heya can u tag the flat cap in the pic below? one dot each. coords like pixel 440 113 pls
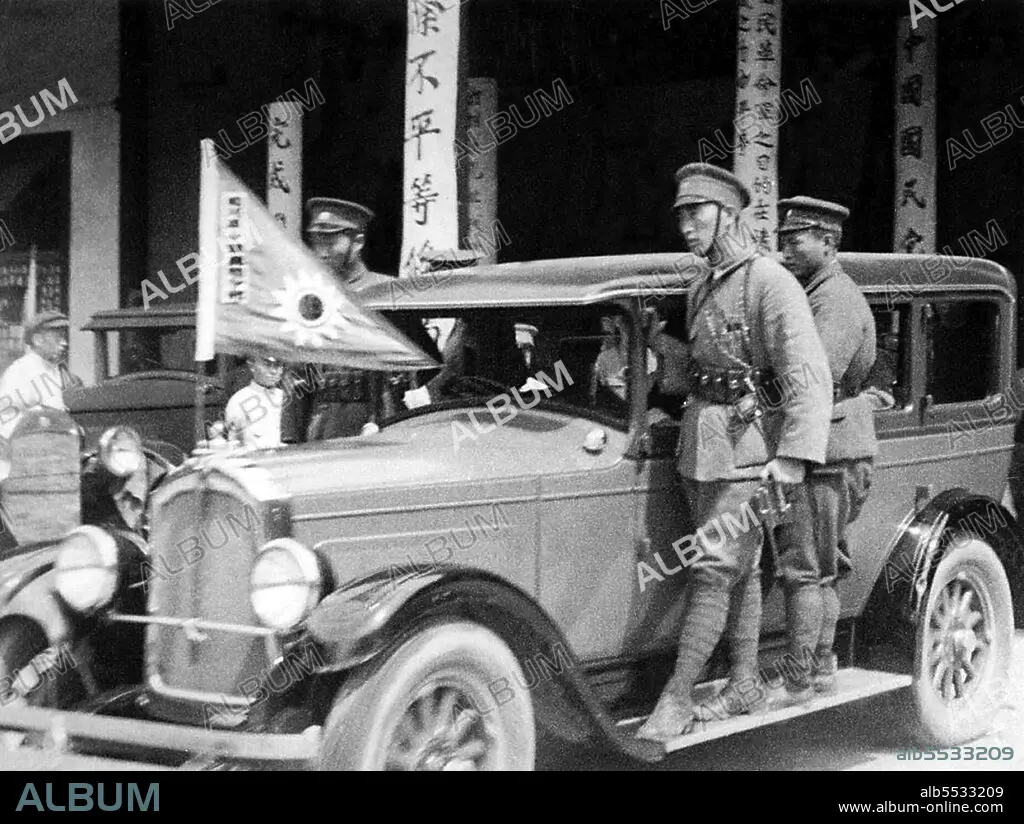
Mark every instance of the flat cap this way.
pixel 327 215
pixel 45 320
pixel 439 260
pixel 704 183
pixel 799 213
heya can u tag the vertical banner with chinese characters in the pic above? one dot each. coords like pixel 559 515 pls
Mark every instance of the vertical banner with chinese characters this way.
pixel 758 113
pixel 430 218
pixel 914 215
pixel 284 166
pixel 482 172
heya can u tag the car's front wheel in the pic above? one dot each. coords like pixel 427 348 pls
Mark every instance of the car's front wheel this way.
pixel 24 676
pixel 963 647
pixel 448 698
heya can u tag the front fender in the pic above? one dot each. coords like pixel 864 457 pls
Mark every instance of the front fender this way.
pixel 375 614
pixel 38 602
pixel 902 590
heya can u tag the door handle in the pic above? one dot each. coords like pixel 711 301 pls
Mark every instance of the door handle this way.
pixel 596 441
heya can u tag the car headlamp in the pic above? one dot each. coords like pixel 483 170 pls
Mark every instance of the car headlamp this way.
pixel 121 451
pixel 285 584
pixel 87 568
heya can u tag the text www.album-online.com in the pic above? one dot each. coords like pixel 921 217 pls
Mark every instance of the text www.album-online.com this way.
pixel 914 807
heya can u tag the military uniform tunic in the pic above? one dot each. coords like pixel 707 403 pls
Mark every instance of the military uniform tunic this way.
pixel 770 303
pixel 347 398
pixel 847 329
pixel 839 489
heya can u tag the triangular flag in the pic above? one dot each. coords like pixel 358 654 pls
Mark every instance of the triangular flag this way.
pixel 261 290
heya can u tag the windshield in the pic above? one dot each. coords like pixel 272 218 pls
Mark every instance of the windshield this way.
pixel 145 350
pixel 576 356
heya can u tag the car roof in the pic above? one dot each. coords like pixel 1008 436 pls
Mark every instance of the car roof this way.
pixel 587 280
pixel 163 316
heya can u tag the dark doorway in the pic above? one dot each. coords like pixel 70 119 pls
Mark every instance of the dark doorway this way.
pixel 35 219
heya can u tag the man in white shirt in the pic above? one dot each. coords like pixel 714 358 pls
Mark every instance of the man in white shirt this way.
pixel 253 414
pixel 40 376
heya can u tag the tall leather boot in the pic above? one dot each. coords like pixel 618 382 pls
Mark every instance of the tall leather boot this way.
pixel 803 620
pixel 702 628
pixel 744 692
pixel 826 666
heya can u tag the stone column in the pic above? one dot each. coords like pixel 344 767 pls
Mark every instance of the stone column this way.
pixel 284 166
pixel 759 112
pixel 914 213
pixel 430 214
pixel 482 169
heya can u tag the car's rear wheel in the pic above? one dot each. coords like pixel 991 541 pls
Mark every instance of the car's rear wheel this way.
pixel 963 646
pixel 448 698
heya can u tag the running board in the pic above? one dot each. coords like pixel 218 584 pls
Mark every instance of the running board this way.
pixel 853 685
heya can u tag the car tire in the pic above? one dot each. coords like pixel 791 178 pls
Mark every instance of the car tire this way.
pixel 963 646
pixel 446 698
pixel 19 644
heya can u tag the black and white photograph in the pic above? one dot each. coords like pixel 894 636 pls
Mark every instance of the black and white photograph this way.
pixel 511 385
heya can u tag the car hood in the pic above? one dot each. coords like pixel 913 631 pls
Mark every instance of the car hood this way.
pixel 438 449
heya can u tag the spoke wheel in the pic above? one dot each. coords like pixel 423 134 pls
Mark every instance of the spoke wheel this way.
pixel 963 645
pixel 441 730
pixel 446 699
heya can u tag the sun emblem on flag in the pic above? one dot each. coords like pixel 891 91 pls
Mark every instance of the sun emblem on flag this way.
pixel 309 307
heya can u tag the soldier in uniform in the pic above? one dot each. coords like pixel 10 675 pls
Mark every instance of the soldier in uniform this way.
pixel 748 321
pixel 348 399
pixel 810 233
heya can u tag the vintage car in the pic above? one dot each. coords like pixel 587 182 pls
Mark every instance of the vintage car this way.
pixel 53 490
pixel 154 391
pixel 471 588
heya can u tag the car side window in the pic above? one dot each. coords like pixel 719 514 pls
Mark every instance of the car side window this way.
pixel 962 350
pixel 572 356
pixel 891 372
pixel 592 346
pixel 144 350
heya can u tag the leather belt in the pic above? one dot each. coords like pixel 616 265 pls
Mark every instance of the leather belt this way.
pixel 723 385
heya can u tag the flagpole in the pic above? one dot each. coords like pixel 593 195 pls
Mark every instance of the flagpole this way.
pixel 28 310
pixel 206 301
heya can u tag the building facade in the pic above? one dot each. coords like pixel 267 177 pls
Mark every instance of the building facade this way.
pixel 596 103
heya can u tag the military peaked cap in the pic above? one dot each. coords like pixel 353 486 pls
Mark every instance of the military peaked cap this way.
pixel 45 320
pixel 799 213
pixel 704 183
pixel 326 215
pixel 439 260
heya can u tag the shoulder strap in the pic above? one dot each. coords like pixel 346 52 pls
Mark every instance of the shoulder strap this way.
pixel 748 347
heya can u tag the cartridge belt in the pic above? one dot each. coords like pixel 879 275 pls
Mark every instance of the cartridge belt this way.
pixel 726 386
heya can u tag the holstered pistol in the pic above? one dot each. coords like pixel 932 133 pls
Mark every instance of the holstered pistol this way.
pixel 771 505
pixel 747 408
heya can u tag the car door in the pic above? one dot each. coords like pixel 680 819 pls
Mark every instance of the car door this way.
pixel 586 511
